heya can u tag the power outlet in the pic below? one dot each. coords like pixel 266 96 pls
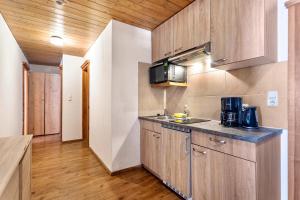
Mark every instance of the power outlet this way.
pixel 272 98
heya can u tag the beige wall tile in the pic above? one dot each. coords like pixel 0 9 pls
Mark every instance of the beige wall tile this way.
pixel 207 86
pixel 151 100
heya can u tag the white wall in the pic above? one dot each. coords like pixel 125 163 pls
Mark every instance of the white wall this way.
pixel 11 89
pixel 44 68
pixel 114 128
pixel 131 45
pixel 72 98
pixel 100 56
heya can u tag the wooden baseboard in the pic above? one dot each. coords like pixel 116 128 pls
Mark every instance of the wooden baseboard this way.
pixel 125 170
pixel 71 141
pixel 115 172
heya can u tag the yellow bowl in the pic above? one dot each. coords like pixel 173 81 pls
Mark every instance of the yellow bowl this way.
pixel 179 115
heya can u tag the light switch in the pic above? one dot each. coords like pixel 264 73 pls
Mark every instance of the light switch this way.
pixel 272 98
pixel 70 98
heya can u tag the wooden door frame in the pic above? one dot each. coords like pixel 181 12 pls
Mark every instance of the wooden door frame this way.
pixel 60 67
pixel 26 69
pixel 86 69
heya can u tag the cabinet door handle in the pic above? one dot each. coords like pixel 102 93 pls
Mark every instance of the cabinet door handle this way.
pixel 166 54
pixel 179 49
pixel 187 144
pixel 201 152
pixel 217 141
pixel 156 136
pixel 220 60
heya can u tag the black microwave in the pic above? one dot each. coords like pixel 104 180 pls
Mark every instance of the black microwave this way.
pixel 164 72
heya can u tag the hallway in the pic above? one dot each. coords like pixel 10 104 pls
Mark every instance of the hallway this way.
pixel 71 171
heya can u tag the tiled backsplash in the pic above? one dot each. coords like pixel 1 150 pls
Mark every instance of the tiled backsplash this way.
pixel 207 86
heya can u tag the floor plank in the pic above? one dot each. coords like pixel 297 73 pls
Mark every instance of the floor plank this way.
pixel 71 171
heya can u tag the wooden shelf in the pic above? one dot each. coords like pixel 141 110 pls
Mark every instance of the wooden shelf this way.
pixel 169 84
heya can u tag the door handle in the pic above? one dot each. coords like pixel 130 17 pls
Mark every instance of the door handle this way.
pixel 201 152
pixel 187 144
pixel 217 141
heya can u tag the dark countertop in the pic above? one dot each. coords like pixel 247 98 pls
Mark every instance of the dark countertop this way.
pixel 215 128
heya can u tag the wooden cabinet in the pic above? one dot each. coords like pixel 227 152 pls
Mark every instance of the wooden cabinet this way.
pixel 25 175
pixel 156 45
pixel 187 29
pixel 19 185
pixel 201 9
pixel 175 150
pixel 162 41
pixel 36 106
pixel 151 149
pixel 52 103
pixel 219 176
pixel 243 33
pixel 227 169
pixel 183 29
pixel 44 103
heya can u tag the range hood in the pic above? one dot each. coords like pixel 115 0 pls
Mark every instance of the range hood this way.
pixel 192 56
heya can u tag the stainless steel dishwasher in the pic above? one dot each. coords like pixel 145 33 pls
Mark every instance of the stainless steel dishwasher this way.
pixel 176 159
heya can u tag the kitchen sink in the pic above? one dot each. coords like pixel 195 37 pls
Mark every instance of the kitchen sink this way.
pixel 189 121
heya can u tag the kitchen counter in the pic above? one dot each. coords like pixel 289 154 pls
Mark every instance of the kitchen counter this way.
pixel 215 128
pixel 12 150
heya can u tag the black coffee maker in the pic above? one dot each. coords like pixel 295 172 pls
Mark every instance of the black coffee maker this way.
pixel 231 111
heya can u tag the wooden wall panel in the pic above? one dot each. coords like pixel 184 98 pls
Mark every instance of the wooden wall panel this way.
pixel 52 103
pixel 294 99
pixel 36 103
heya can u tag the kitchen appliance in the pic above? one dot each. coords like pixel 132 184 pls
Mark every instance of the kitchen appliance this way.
pixel 249 117
pixel 188 120
pixel 192 56
pixel 179 163
pixel 231 111
pixel 165 71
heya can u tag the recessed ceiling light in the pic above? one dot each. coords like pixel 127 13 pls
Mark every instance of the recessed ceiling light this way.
pixel 56 40
pixel 60 2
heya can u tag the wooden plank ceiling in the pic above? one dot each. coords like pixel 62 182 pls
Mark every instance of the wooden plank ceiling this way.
pixel 78 22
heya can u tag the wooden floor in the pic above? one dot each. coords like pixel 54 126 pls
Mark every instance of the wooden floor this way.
pixel 72 172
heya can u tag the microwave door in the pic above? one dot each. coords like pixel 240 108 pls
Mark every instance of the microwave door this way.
pixel 178 74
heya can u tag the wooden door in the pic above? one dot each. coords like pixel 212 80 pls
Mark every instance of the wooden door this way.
pixel 166 39
pixel 36 124
pixel 240 179
pixel 146 138
pixel 155 143
pixel 201 9
pixel 156 47
pixel 219 176
pixel 167 155
pixel 181 153
pixel 184 29
pixel 26 174
pixel 52 103
pixel 207 174
pixel 237 30
pixel 25 97
pixel 85 100
pixel 175 159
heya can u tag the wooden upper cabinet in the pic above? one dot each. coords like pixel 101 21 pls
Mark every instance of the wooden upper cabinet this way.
pixel 166 39
pixel 243 33
pixel 183 29
pixel 156 48
pixel 162 41
pixel 201 10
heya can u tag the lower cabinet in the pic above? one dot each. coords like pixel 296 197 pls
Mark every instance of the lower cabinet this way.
pixel 150 151
pixel 219 176
pixel 175 150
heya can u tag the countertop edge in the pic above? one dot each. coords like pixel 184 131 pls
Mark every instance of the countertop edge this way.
pixel 10 172
pixel 276 131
